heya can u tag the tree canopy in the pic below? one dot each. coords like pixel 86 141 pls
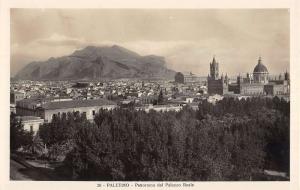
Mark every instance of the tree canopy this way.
pixel 232 140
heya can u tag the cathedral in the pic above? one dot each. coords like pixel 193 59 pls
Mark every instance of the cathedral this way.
pixel 216 84
pixel 257 83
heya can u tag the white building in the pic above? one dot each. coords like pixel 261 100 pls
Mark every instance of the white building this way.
pixel 31 123
pixel 215 98
pixel 158 108
pixel 47 110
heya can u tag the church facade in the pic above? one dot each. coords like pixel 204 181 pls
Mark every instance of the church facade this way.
pixel 257 83
pixel 216 84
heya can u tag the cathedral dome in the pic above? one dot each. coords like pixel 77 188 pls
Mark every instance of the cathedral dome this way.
pixel 260 68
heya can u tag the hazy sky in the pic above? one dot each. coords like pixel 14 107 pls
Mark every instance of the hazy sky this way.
pixel 188 39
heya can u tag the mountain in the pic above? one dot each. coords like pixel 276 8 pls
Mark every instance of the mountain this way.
pixel 92 63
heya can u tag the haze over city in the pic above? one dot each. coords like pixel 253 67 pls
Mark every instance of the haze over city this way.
pixel 187 39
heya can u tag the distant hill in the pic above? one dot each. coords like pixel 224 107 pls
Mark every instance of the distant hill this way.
pixel 92 63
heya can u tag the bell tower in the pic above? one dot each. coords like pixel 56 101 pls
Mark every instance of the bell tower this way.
pixel 214 69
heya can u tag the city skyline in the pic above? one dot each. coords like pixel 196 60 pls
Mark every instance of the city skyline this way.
pixel 188 39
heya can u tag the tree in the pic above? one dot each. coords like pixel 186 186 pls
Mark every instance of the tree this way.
pixel 231 140
pixel 18 136
pixel 37 145
pixel 160 98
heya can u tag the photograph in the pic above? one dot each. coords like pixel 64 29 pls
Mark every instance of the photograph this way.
pixel 141 95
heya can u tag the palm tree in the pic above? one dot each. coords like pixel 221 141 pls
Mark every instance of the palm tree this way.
pixel 37 146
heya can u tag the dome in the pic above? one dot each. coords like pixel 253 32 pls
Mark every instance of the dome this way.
pixel 260 68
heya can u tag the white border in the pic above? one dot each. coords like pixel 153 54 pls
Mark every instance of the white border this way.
pixel 5 6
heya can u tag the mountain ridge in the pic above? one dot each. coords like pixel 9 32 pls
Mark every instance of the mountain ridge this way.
pixel 97 62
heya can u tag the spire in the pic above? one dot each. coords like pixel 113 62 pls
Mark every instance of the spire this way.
pixel 259 60
pixel 286 75
pixel 214 59
pixel 214 69
pixel 226 79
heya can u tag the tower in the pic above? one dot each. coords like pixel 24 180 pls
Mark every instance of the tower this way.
pixel 286 76
pixel 238 79
pixel 214 69
pixel 226 79
pixel 216 84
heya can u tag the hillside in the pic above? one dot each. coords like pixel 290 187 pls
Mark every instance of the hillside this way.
pixel 92 63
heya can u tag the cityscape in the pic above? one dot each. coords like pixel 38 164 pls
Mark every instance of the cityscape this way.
pixel 110 113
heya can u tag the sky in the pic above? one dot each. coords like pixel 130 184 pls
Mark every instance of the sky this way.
pixel 187 38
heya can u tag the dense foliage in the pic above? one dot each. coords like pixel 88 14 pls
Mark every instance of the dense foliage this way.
pixel 58 135
pixel 18 136
pixel 232 140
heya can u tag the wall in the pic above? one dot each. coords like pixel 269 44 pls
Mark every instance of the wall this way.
pixel 25 111
pixel 280 89
pixel 191 78
pixel 216 86
pixel 252 89
pixel 35 124
pixel 48 114
pixel 14 97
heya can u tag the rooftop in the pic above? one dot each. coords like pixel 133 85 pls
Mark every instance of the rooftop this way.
pixel 260 68
pixel 77 104
pixel 28 118
pixel 16 92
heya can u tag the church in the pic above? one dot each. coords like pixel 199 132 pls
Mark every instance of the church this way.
pixel 257 83
pixel 216 84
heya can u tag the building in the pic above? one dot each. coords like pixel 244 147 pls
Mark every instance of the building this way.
pixel 179 78
pixel 16 96
pixel 215 98
pixel 278 87
pixel 259 83
pixel 160 108
pixel 31 123
pixel 187 78
pixel 48 109
pixel 151 99
pixel 260 73
pixel 216 84
pixel 12 108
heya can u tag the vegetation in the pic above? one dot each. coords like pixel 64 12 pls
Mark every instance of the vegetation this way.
pixel 160 98
pixel 232 140
pixel 18 136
